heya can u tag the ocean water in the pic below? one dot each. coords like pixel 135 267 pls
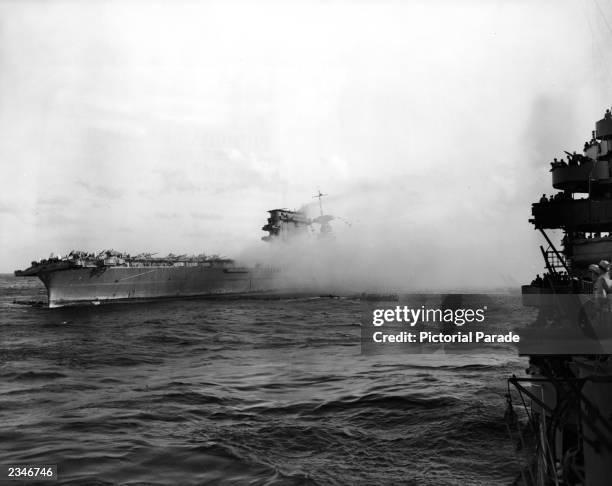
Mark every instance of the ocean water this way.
pixel 257 392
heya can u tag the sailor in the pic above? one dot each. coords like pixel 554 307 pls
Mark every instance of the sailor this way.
pixel 594 273
pixel 603 285
pixel 543 199
pixel 608 285
pixel 608 115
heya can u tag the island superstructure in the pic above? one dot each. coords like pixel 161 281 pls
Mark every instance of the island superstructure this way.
pixel 83 277
pixel 570 383
pixel 284 224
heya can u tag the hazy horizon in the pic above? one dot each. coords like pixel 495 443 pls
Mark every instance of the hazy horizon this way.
pixel 174 127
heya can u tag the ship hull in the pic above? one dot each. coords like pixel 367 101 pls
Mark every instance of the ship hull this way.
pixel 107 284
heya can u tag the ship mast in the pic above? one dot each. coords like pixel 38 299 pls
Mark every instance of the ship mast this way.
pixel 324 219
pixel 319 196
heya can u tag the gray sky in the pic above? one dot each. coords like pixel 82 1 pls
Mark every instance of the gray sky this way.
pixel 174 126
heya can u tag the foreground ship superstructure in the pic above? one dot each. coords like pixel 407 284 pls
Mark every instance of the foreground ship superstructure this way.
pixel 81 277
pixel 570 387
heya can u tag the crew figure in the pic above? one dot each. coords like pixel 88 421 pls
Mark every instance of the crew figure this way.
pixel 603 285
pixel 594 273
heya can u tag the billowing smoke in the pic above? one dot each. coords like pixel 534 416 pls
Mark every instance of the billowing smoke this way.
pixel 377 247
pixel 172 128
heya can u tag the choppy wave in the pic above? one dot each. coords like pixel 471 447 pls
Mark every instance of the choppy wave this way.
pixel 241 392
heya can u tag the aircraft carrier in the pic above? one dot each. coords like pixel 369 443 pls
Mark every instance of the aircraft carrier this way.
pixel 108 276
pixel 567 395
